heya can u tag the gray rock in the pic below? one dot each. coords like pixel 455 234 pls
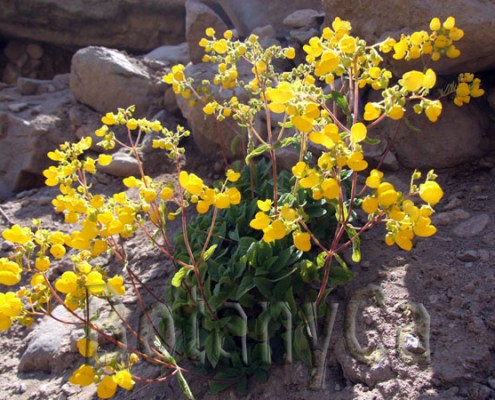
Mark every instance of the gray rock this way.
pixel 473 226
pixel 123 24
pixel 49 349
pixel 199 17
pixel 303 35
pixel 17 107
pixel 172 55
pixel 375 21
pixel 122 165
pixel 456 138
pixel 306 18
pixel 107 79
pixel 210 136
pixel 468 255
pixel 450 217
pixel 32 137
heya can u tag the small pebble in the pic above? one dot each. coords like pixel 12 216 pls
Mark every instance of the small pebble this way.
pixel 468 255
pixel 17 107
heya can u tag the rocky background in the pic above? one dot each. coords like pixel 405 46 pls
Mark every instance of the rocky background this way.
pixel 65 63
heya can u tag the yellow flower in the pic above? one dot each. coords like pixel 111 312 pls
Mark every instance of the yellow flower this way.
pixel 331 188
pixel 423 227
pixel 116 285
pixel 167 193
pixel 371 111
pixel 358 132
pixel 10 305
pixel 106 388
pixel 210 32
pixel 191 182
pixel 312 179
pixel 104 159
pixel 430 192
pixel 396 112
pixel 435 24
pixel 222 201
pixel 434 110
pixel 124 379
pixel 348 45
pixel 453 52
pixel 370 205
pixel 234 196
pixel 290 52
pixel 148 194
pixel 299 169
pixel 303 123
pixel 42 263
pixel 87 347
pixel 57 250
pixel 260 221
pixel 202 207
pixel 413 80
pixel 220 46
pixel 67 282
pixel 288 213
pixel 449 23
pixel 356 161
pixel 404 239
pixel 329 62
pixel 10 272
pixel 387 194
pixel 275 231
pixel 109 119
pixel 375 178
pixel 95 282
pixel 83 376
pixel 302 241
pixel 264 205
pixel 233 176
pixel 430 79
pixel 16 234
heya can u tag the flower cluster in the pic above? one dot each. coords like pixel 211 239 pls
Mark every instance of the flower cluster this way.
pixel 437 43
pixel 206 197
pixel 108 378
pixel 276 226
pixel 468 87
pixel 404 219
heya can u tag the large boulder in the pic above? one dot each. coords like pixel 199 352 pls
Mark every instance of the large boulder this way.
pixel 457 137
pixel 133 25
pixel 30 127
pixel 375 20
pixel 199 17
pixel 106 79
pixel 211 137
pixel 247 15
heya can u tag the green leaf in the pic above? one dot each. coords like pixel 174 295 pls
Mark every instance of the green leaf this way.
pixel 209 252
pixel 341 101
pixel 356 249
pixel 257 152
pixel 372 141
pixel 264 286
pixel 180 378
pixel 286 142
pixel 315 211
pixel 213 346
pixel 224 380
pixel 411 126
pixel 179 276
pixel 302 350
pixel 245 286
pixel 237 326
